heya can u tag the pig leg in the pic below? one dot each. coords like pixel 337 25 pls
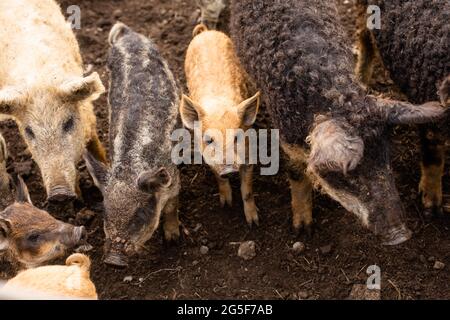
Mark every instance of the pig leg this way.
pixel 301 194
pixel 171 224
pixel 95 147
pixel 225 191
pixel 432 167
pixel 250 209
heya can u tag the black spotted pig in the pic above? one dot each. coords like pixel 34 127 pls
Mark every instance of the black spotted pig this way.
pixel 32 236
pixel 142 183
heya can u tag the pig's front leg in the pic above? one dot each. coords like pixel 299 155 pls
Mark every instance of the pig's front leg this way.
pixel 96 148
pixel 250 209
pixel 225 191
pixel 171 224
pixel 301 193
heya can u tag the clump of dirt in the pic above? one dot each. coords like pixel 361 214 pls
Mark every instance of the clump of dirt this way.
pixel 333 260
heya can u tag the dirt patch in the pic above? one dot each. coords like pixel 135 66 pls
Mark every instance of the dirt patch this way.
pixel 335 258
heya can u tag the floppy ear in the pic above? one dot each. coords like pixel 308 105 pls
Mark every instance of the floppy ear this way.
pixel 400 112
pixel 5 230
pixel 87 88
pixel 98 171
pixel 248 109
pixel 12 101
pixel 22 193
pixel 151 181
pixel 334 149
pixel 190 111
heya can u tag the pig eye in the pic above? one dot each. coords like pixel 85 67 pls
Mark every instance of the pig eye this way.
pixel 33 238
pixel 29 133
pixel 68 125
pixel 208 140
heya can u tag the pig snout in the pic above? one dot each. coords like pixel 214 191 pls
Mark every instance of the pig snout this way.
pixel 228 171
pixel 396 235
pixel 61 194
pixel 116 257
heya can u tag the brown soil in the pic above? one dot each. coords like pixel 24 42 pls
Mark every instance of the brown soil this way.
pixel 181 271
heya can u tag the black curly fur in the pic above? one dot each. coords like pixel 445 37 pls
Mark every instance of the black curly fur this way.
pixel 414 42
pixel 303 57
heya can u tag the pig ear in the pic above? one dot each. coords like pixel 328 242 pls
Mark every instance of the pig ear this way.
pixel 248 109
pixel 151 181
pixel 333 148
pixel 190 111
pixel 87 88
pixel 12 101
pixel 22 193
pixel 98 171
pixel 5 230
pixel 400 112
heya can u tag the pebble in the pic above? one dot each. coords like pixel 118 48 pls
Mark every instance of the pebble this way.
pixel 204 250
pixel 247 250
pixel 128 279
pixel 302 295
pixel 298 247
pixel 438 265
pixel 326 249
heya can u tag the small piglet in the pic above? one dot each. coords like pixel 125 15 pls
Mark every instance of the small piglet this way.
pixel 71 281
pixel 32 236
pixel 142 183
pixel 220 103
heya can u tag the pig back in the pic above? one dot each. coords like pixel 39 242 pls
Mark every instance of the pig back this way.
pixel 299 55
pixel 143 99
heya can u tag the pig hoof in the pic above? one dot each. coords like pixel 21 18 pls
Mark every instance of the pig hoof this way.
pixel 396 236
pixel 226 200
pixel 429 213
pixel 116 260
pixel 306 229
pixel 251 215
pixel 172 235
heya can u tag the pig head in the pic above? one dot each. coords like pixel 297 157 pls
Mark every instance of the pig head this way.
pixel 56 123
pixel 33 236
pixel 349 160
pixel 133 206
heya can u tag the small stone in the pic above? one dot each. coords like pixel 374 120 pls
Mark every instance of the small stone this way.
pixel 422 258
pixel 247 250
pixel 198 226
pixel 204 250
pixel 128 279
pixel 361 292
pixel 194 263
pixel 431 259
pixel 326 249
pixel 302 295
pixel 117 13
pixel 438 265
pixel 298 247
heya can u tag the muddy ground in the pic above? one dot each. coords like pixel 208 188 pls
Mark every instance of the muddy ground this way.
pixel 337 255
